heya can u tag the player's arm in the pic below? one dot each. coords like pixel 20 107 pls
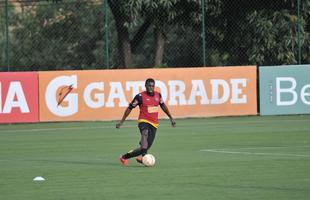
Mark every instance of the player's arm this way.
pixel 136 101
pixel 125 115
pixel 166 110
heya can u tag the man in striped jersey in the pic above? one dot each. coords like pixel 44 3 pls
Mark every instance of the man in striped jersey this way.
pixel 148 102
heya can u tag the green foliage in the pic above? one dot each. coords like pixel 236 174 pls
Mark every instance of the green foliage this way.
pixel 70 34
pixel 187 52
pixel 2 38
pixel 58 37
pixel 271 37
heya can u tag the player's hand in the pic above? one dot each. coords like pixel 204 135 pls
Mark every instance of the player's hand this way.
pixel 173 124
pixel 118 125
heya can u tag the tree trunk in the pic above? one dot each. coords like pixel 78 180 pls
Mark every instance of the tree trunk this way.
pixel 140 34
pixel 124 48
pixel 159 46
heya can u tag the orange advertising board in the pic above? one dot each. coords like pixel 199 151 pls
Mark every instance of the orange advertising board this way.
pixel 188 92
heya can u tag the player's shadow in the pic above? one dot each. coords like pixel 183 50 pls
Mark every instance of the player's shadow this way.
pixel 78 162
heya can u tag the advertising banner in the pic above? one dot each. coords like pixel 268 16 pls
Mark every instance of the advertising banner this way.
pixel 284 89
pixel 188 92
pixel 19 97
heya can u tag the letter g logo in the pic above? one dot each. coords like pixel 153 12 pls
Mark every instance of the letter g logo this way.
pixel 53 98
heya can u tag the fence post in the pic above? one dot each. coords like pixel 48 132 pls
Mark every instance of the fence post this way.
pixel 106 33
pixel 298 31
pixel 7 35
pixel 203 32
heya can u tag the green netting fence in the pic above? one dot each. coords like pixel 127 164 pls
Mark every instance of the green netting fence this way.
pixel 112 34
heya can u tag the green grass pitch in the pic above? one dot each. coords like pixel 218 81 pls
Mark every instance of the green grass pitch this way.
pixel 213 158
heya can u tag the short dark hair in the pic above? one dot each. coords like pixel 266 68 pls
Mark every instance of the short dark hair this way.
pixel 149 80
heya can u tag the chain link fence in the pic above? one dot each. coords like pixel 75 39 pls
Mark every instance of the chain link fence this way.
pixel 110 34
pixel 3 37
pixel 52 36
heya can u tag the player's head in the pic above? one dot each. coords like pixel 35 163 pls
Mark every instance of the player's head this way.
pixel 150 85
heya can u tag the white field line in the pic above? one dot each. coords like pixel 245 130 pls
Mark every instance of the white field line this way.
pixel 131 126
pixel 267 147
pixel 60 128
pixel 239 122
pixel 257 153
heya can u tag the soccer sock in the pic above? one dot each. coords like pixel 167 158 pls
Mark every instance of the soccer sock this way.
pixel 144 152
pixel 135 153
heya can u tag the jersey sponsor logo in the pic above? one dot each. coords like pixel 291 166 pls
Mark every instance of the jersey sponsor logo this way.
pixel 152 109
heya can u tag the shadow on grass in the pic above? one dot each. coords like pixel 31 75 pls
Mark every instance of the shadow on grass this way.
pixel 74 162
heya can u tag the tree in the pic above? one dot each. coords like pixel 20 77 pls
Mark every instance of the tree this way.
pixel 161 15
pixel 269 33
pixel 148 33
pixel 57 36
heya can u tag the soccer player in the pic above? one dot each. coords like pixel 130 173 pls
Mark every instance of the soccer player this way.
pixel 148 102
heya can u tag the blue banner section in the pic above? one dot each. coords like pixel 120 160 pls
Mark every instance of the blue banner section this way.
pixel 284 89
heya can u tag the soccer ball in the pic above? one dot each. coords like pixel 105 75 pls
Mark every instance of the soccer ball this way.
pixel 148 160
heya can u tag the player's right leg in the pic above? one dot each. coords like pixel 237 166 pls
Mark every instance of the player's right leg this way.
pixel 123 161
pixel 148 133
pixel 146 138
pixel 133 153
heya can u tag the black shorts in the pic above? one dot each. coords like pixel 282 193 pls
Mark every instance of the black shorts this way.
pixel 148 133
